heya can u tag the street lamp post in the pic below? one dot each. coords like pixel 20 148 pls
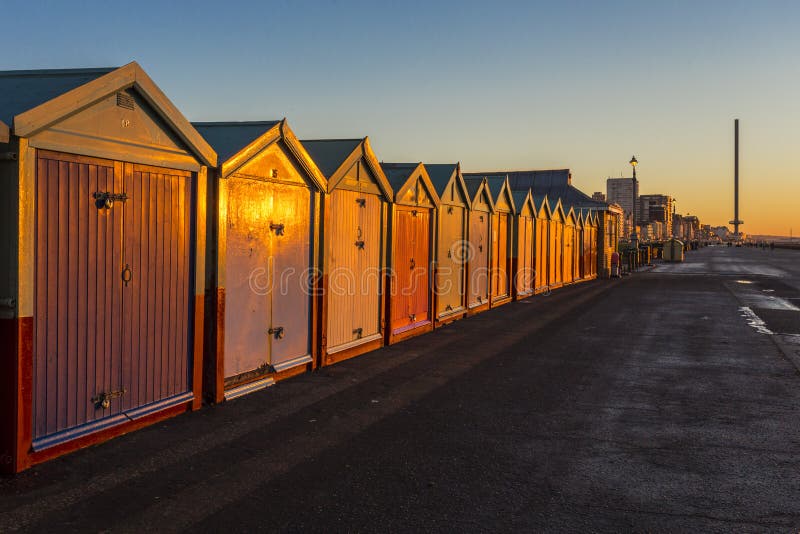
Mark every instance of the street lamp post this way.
pixel 634 241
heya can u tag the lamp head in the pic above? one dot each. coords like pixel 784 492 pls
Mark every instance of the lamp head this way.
pixel 633 161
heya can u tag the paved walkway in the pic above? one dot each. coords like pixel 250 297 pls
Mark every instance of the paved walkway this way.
pixel 647 404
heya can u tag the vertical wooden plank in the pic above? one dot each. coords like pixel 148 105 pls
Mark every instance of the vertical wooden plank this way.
pixel 423 262
pixel 82 331
pixel 59 351
pixel 174 253
pixel 128 292
pixel 107 291
pixel 93 267
pixel 143 364
pixel 161 299
pixel 152 289
pixel 185 348
pixel 72 260
pixel 41 291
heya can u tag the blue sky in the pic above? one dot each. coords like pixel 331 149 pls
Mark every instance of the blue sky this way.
pixel 495 85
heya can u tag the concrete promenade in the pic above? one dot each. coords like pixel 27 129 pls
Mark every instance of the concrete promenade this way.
pixel 666 401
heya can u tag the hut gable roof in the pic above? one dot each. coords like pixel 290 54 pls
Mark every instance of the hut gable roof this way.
pixel 555 183
pixel 22 90
pixel 443 174
pixel 523 200
pixel 335 157
pixel 403 177
pixel 497 184
pixel 330 154
pixel 570 216
pixel 540 203
pixel 478 189
pixel 238 142
pixel 230 138
pixel 557 211
pixel 36 100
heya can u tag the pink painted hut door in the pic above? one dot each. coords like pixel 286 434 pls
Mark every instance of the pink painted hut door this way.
pixel 112 294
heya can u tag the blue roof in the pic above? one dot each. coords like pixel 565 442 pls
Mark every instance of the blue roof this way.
pixel 473 185
pixel 556 185
pixel 23 90
pixel 519 197
pixel 329 154
pixel 440 174
pixel 496 183
pixel 229 138
pixel 398 173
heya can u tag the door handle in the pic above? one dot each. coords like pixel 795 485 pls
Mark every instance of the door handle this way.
pixel 127 274
pixel 413 264
pixel 358 332
pixel 360 245
pixel 105 199
pixel 277 228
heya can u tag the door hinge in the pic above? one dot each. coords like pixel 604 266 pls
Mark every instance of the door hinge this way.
pixel 277 332
pixel 103 400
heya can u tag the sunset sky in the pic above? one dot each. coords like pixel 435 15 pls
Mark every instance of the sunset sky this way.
pixel 501 85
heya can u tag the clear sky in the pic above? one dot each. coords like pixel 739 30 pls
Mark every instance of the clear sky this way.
pixel 495 85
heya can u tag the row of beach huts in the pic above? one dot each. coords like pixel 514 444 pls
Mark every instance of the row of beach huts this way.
pixel 148 263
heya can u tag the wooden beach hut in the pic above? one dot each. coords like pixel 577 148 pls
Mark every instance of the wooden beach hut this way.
pixel 264 211
pixel 542 254
pixel 570 246
pixel 412 236
pixel 523 257
pixel 354 224
pixel 479 244
pixel 502 229
pixel 452 214
pixel 556 245
pixel 103 231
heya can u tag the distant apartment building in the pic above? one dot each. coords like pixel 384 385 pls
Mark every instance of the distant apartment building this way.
pixel 598 196
pixel 621 191
pixel 686 227
pixel 656 208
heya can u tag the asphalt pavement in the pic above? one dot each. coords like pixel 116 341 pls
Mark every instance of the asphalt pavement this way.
pixel 665 401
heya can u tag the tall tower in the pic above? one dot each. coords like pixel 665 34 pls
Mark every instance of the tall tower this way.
pixel 736 222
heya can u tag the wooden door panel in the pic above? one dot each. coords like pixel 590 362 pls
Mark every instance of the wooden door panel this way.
pixel 450 257
pixel 76 295
pixel 420 273
pixel 404 249
pixel 370 272
pixel 157 254
pixel 499 255
pixel 291 302
pixel 248 276
pixel 479 258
